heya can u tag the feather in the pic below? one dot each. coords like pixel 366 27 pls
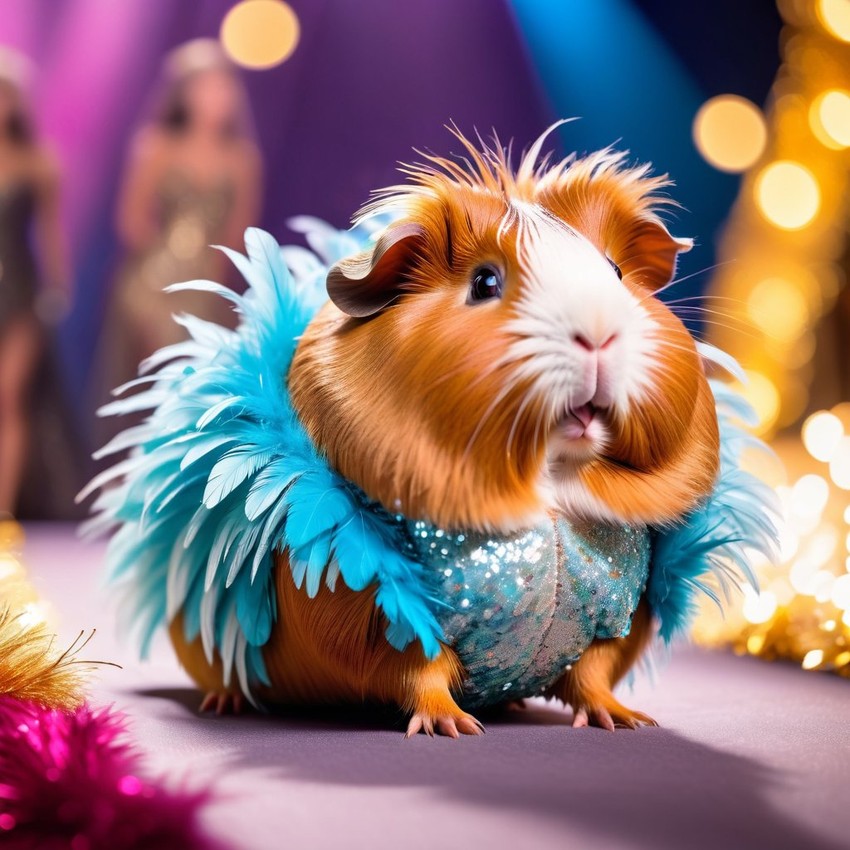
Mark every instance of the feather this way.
pixel 74 779
pixel 712 544
pixel 267 487
pixel 231 470
pixel 715 355
pixel 206 445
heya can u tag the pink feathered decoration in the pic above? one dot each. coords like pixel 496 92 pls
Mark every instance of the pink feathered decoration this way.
pixel 70 780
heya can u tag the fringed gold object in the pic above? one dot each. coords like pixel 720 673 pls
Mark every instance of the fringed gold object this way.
pixel 31 666
pixel 803 631
pixel 802 612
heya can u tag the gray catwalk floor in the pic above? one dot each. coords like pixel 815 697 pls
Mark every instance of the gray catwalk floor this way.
pixel 749 755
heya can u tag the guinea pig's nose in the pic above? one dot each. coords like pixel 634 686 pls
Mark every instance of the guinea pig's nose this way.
pixel 589 344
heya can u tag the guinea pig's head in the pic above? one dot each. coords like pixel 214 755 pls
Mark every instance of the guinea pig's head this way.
pixel 500 352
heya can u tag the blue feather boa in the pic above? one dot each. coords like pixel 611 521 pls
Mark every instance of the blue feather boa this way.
pixel 221 475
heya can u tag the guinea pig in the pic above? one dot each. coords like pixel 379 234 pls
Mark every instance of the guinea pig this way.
pixel 494 373
pixel 497 356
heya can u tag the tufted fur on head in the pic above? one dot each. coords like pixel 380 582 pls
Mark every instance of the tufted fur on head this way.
pixel 572 388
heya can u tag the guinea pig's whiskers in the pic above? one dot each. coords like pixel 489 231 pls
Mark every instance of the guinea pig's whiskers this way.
pixel 543 417
pixel 677 280
pixel 705 297
pixel 708 311
pixel 698 272
pixel 482 375
pixel 672 346
pixel 491 408
pixel 739 328
pixel 512 434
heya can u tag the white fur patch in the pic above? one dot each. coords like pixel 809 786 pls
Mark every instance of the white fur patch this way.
pixel 582 338
pixel 565 492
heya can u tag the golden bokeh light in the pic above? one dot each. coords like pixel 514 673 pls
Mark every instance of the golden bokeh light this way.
pixel 812 659
pixel 809 496
pixel 763 396
pixel 758 607
pixel 829 117
pixel 822 433
pixel 841 592
pixel 787 194
pixel 778 308
pixel 842 411
pixel 9 566
pixel 729 132
pixel 835 16
pixel 839 464
pixel 259 34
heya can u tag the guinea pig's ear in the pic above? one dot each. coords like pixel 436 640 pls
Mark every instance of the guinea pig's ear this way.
pixel 364 284
pixel 653 251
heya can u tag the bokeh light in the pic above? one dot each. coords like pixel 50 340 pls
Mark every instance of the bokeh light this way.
pixel 842 411
pixel 787 194
pixel 841 592
pixel 778 308
pixel 259 34
pixel 835 16
pixel 822 433
pixel 812 659
pixel 9 565
pixel 839 464
pixel 809 495
pixel 758 607
pixel 729 132
pixel 829 117
pixel 763 396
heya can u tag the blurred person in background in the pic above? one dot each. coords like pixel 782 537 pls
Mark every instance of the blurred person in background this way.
pixel 35 430
pixel 192 180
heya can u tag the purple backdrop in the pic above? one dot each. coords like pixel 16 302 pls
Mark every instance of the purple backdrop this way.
pixel 367 83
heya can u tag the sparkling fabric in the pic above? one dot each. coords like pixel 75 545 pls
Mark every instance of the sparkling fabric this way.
pixel 519 610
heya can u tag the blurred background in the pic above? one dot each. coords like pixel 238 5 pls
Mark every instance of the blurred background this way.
pixel 137 133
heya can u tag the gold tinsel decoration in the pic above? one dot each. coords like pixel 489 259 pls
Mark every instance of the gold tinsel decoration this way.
pixel 32 667
pixel 781 265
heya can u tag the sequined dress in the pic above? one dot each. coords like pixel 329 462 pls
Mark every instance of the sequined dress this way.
pixel 18 275
pixel 519 609
pixel 140 318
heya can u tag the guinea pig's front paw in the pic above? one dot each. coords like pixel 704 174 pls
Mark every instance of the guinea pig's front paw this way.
pixel 608 713
pixel 222 702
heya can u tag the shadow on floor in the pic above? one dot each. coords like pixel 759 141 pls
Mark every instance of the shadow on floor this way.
pixel 651 787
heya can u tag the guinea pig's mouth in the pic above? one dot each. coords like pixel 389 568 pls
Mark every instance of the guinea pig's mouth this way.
pixel 584 422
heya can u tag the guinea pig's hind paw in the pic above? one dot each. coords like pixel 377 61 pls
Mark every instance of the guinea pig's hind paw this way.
pixel 611 717
pixel 445 724
pixel 222 703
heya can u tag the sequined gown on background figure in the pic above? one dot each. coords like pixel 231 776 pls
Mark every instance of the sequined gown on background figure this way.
pixel 140 320
pixel 55 469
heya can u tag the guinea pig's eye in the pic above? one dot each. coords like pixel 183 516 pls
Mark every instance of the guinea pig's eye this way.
pixel 486 283
pixel 616 268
